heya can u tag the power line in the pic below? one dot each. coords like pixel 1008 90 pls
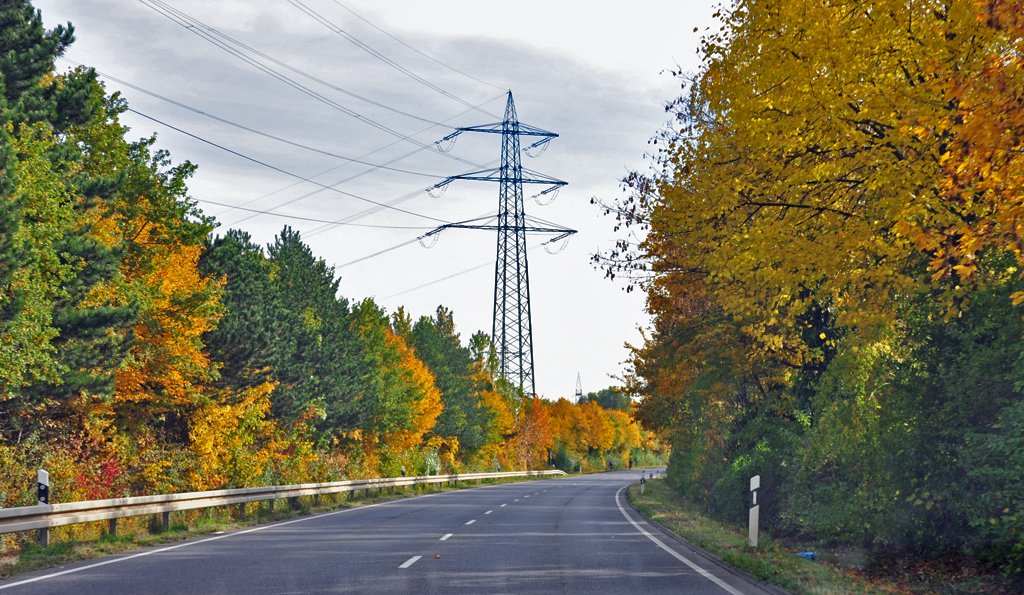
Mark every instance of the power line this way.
pixel 221 204
pixel 285 172
pixel 425 55
pixel 222 41
pixel 453 275
pixel 370 211
pixel 359 44
pixel 436 281
pixel 385 250
pixel 378 253
pixel 252 130
pixel 321 189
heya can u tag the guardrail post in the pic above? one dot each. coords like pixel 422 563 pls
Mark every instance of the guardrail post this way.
pixel 316 499
pixel 43 487
pixel 270 506
pixel 241 510
pixel 755 483
pixel 167 520
pixel 112 527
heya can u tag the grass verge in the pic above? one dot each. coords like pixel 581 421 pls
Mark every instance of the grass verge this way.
pixel 776 563
pixel 33 557
pixel 770 562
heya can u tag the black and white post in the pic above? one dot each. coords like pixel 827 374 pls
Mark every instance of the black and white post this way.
pixel 755 483
pixel 43 487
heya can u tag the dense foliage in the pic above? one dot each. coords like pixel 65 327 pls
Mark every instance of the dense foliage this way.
pixel 830 241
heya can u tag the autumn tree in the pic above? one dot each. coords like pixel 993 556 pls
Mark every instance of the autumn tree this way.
pixel 286 323
pixel 832 213
pixel 465 415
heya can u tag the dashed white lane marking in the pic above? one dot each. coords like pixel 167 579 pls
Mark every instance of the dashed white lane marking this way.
pixel 216 537
pixel 446 537
pixel 471 522
pixel 504 505
pixel 489 512
pixel 516 500
pixel 526 496
pixel 674 553
pixel 410 561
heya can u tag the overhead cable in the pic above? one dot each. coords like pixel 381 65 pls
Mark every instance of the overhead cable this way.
pixel 460 273
pixel 283 216
pixel 285 172
pixel 367 212
pixel 397 246
pixel 362 214
pixel 190 22
pixel 425 55
pixel 366 48
pixel 252 130
pixel 224 42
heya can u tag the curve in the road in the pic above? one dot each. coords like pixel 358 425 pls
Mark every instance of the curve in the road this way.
pixel 568 535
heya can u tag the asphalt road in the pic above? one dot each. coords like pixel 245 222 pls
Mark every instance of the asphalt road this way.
pixel 574 535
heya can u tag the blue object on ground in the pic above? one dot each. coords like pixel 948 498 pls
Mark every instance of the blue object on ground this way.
pixel 808 555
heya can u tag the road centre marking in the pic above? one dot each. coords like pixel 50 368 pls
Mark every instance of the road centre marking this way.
pixel 446 537
pixel 674 553
pixel 489 512
pixel 215 538
pixel 503 505
pixel 471 522
pixel 200 541
pixel 410 561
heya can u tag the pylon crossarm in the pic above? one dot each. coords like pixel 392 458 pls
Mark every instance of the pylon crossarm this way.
pixel 514 228
pixel 561 237
pixel 497 128
pixel 494 175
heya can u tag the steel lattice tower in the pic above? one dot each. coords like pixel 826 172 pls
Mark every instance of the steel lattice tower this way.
pixel 512 327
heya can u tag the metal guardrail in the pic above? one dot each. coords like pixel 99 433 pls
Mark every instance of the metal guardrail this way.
pixel 47 516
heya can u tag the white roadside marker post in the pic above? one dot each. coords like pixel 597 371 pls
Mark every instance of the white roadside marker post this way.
pixel 755 483
pixel 641 485
pixel 43 486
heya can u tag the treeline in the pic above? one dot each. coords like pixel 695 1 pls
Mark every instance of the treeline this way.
pixel 141 353
pixel 832 240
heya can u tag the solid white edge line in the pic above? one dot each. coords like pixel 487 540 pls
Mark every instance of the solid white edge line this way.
pixel 188 543
pixel 226 535
pixel 445 538
pixel 674 553
pixel 410 561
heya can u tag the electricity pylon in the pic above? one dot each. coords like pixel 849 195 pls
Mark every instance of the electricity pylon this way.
pixel 579 388
pixel 512 328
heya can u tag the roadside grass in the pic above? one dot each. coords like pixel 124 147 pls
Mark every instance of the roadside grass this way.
pixel 768 562
pixel 148 531
pixel 777 563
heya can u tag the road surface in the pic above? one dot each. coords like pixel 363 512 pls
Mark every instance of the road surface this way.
pixel 571 535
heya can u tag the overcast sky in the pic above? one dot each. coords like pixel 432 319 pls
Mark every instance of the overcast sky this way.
pixel 596 76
